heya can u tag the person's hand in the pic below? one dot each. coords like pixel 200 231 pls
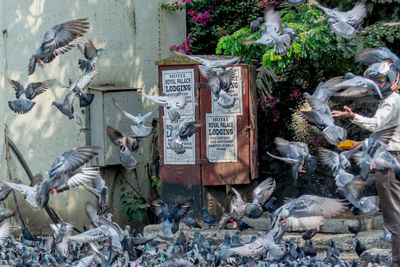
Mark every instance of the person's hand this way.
pixel 347 113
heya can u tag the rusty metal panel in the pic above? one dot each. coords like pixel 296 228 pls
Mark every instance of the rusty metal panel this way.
pixel 229 172
pixel 180 182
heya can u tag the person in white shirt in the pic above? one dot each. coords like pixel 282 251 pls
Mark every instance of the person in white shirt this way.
pixel 386 116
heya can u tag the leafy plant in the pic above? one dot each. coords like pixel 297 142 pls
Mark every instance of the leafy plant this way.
pixel 133 205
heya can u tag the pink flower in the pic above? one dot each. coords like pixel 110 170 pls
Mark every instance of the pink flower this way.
pixel 187 1
pixel 211 7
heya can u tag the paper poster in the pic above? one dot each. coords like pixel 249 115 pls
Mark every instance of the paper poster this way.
pixel 221 138
pixel 181 81
pixel 170 156
pixel 235 90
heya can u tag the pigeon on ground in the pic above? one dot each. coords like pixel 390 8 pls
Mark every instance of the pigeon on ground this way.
pixel 67 108
pixel 126 145
pixel 294 153
pixel 219 83
pixel 242 226
pixel 310 233
pixel 178 212
pixel 138 127
pixel 85 99
pixel 100 190
pixel 58 40
pixel 357 86
pixel 190 221
pixel 91 54
pixel 208 219
pixel 273 33
pixel 360 248
pixel 387 234
pixel 239 208
pixel 216 65
pixel 355 229
pixel 344 23
pixel 24 102
pixel 171 103
pixel 376 55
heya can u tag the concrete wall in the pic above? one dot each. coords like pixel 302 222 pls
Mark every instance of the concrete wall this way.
pixel 134 34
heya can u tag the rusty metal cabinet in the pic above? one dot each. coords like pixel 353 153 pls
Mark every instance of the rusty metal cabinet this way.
pixel 224 151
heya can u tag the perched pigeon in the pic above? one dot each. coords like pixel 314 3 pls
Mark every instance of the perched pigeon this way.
pixel 172 103
pixel 357 86
pixel 294 153
pixel 342 23
pixel 273 34
pixel 85 99
pixel 24 102
pixel 360 248
pixel 178 212
pixel 91 54
pixel 100 190
pixel 376 55
pixel 255 25
pixel 138 128
pixel 190 221
pixel 208 219
pixel 126 145
pixel 67 108
pixel 58 40
pixel 219 83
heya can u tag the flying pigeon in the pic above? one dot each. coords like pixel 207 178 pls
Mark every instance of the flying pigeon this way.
pixel 342 23
pixel 67 108
pixel 28 192
pixel 58 40
pixel 126 145
pixel 219 83
pixel 293 153
pixel 24 102
pixel 376 55
pixel 216 65
pixel 85 99
pixel 177 212
pixel 172 103
pixel 357 86
pixel 273 34
pixel 91 54
pixel 100 190
pixel 138 128
pixel 182 131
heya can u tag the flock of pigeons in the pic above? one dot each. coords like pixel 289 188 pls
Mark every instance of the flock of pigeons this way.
pixel 107 244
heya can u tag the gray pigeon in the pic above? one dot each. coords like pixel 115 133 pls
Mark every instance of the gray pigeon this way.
pixel 85 99
pixel 273 34
pixel 182 131
pixel 357 86
pixel 6 213
pixel 67 108
pixel 294 153
pixel 255 25
pixel 344 23
pixel 138 129
pixel 126 145
pixel 387 234
pixel 28 192
pixel 91 54
pixel 100 190
pixel 172 103
pixel 376 55
pixel 219 83
pixel 293 34
pixel 178 212
pixel 295 2
pixel 24 102
pixel 216 65
pixel 325 90
pixel 58 40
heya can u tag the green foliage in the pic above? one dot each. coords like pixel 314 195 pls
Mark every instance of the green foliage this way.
pixel 133 205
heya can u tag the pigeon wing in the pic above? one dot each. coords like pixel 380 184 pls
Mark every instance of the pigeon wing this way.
pixel 264 191
pixel 35 89
pixel 128 115
pixel 17 86
pixel 357 14
pixel 272 21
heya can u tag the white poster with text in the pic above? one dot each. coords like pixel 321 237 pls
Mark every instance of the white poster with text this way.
pixel 170 156
pixel 235 91
pixel 177 82
pixel 221 138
